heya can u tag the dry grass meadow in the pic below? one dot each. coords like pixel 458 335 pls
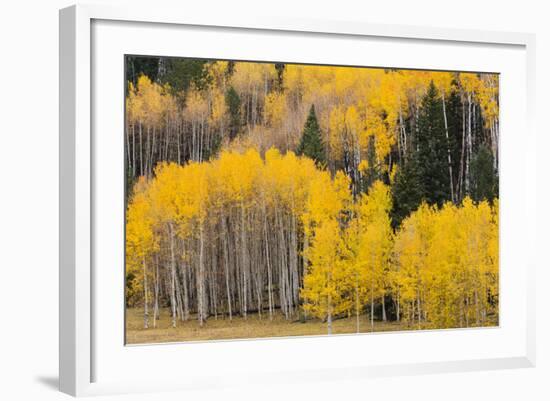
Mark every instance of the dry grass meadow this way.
pixel 239 328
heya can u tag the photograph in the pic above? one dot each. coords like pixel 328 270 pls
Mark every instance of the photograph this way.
pixel 276 199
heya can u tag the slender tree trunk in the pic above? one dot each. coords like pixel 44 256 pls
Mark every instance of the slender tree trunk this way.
pixel 268 263
pixel 156 308
pixel 226 265
pixel 397 310
pixel 146 297
pixel 357 304
pixel 372 305
pixel 468 145
pixel 329 315
pixel 244 261
pixel 185 292
pixel 141 148
pixel 449 160
pixel 172 275
pixel 200 277
pixel 384 318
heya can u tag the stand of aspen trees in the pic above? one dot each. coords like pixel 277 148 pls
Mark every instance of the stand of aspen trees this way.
pixel 225 220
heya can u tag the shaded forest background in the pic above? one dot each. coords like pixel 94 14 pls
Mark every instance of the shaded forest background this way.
pixel 311 191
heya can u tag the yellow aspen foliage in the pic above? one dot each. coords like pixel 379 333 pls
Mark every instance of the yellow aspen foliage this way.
pixel 275 109
pixel 412 244
pixel 196 106
pixel 325 280
pixel 325 277
pixel 141 241
pixel 146 101
pixel 370 240
pixel 447 265
pixel 224 215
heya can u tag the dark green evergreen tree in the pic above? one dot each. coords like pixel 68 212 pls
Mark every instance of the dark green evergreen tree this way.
pixel 483 179
pixel 311 144
pixel 233 102
pixel 425 174
pixel 138 65
pixel 373 171
pixel 454 120
pixel 431 153
pixel 181 73
pixel 280 67
pixel 407 192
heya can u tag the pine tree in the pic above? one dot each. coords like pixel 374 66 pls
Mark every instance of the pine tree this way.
pixel 233 102
pixel 432 150
pixel 311 144
pixel 372 171
pixel 484 180
pixel 407 192
pixel 453 104
pixel 425 175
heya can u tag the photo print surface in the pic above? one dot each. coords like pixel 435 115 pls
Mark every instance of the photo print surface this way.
pixel 279 199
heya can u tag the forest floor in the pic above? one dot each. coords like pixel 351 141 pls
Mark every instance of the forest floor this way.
pixel 239 328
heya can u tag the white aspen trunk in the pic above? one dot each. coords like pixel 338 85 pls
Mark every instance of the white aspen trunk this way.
pixel 476 300
pixel 156 308
pixel 459 184
pixel 146 297
pixel 449 160
pixel 212 280
pixel 128 147
pixel 244 261
pixel 178 129
pixel 172 276
pixel 147 148
pixel 467 311
pixel 329 315
pixel 294 248
pixel 372 305
pixel 179 301
pixel 268 262
pixel 226 267
pixel 418 308
pixel 398 311
pixel 200 277
pixel 140 148
pixel 468 145
pixel 402 135
pixel 384 318
pixel 357 304
pixel 152 158
pixel 133 150
pixel 185 286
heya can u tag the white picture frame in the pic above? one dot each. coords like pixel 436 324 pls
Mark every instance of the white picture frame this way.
pixel 82 345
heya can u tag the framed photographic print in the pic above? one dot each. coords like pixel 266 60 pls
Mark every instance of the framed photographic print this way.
pixel 290 199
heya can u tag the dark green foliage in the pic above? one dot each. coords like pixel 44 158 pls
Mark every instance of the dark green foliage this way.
pixel 432 150
pixel 233 102
pixel 407 191
pixel 138 65
pixel 373 171
pixel 280 67
pixel 130 182
pixel 454 122
pixel 181 73
pixel 483 179
pixel 311 144
pixel 178 73
pixel 212 150
pixel 425 175
pixel 230 68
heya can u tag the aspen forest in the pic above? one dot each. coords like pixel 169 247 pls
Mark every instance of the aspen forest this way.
pixel 273 199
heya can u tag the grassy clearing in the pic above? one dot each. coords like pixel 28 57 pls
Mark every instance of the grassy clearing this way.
pixel 252 327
